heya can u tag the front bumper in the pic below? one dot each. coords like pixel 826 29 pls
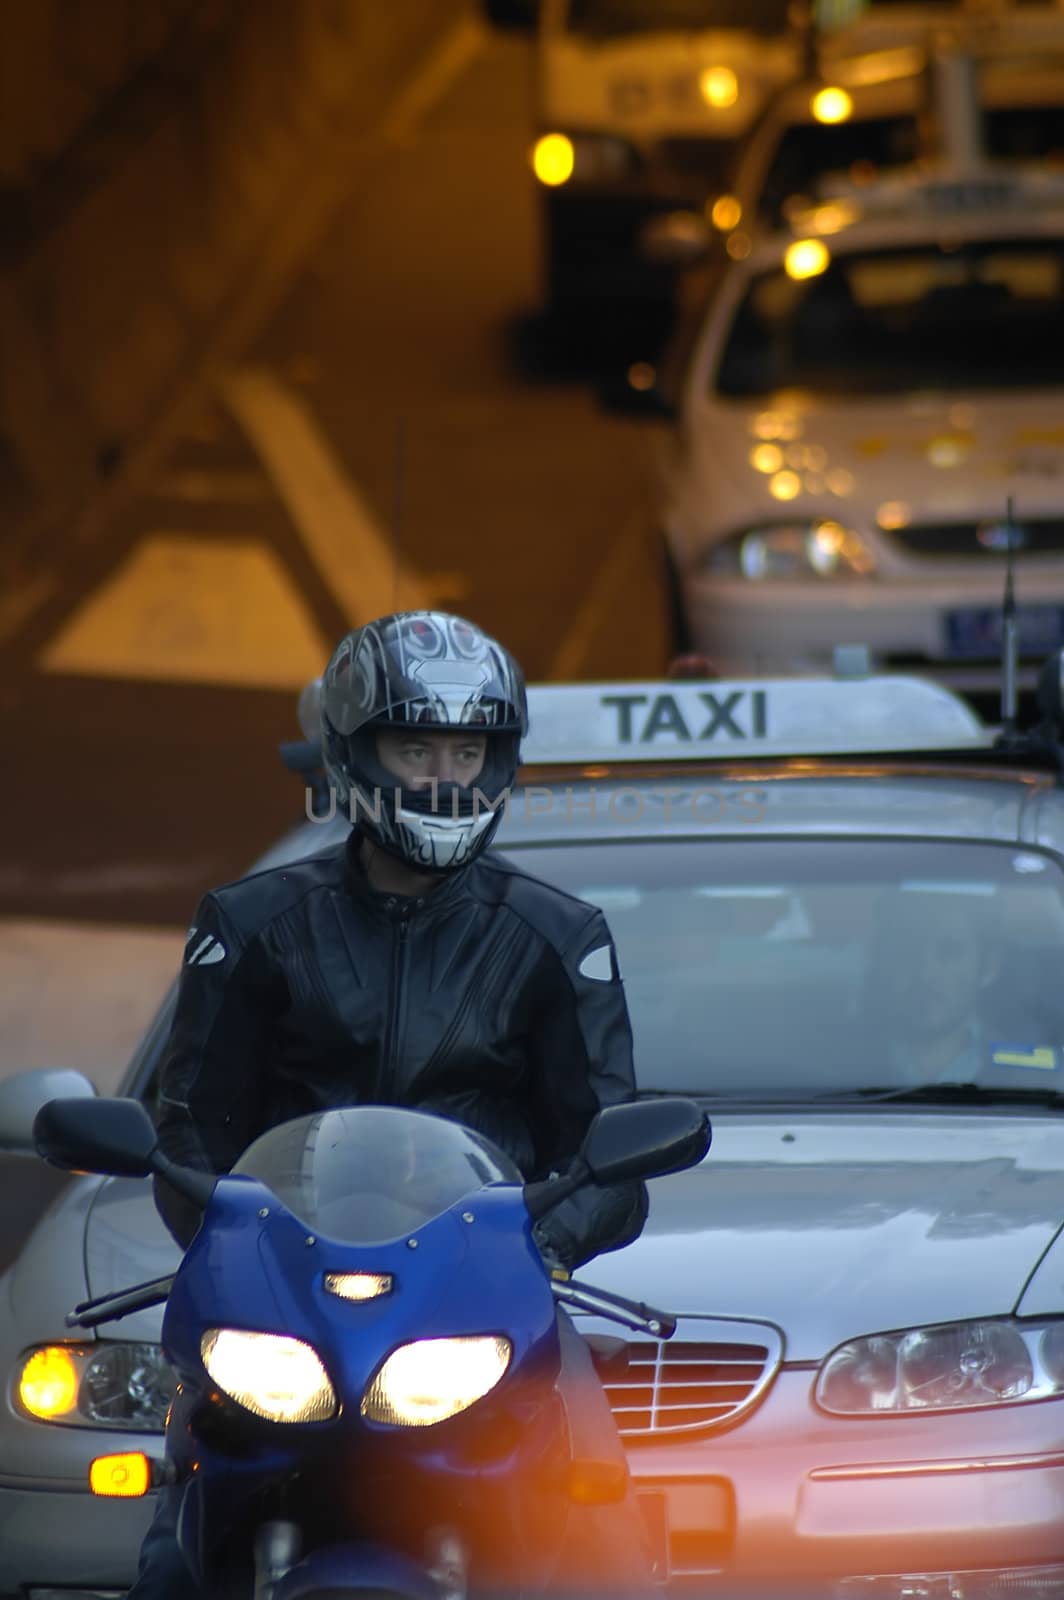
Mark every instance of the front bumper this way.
pixel 779 628
pixel 792 1495
pixel 69 1539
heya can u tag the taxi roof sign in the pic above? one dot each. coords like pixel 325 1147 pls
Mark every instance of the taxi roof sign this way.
pixel 589 723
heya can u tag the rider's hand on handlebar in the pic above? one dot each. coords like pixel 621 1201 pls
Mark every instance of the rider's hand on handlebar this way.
pixel 548 1250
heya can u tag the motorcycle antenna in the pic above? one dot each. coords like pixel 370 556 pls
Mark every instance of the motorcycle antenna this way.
pixel 398 474
pixel 1009 632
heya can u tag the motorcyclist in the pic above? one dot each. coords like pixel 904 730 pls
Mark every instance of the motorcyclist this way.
pixel 407 967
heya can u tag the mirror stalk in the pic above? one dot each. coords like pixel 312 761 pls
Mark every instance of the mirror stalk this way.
pixel 543 1197
pixel 189 1182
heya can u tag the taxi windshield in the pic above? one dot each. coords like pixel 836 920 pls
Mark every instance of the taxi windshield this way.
pixel 810 967
pixel 938 316
pixel 372 1173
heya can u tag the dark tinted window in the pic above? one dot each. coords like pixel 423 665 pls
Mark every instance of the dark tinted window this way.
pixel 807 151
pixel 1025 133
pixel 662 16
pixel 988 315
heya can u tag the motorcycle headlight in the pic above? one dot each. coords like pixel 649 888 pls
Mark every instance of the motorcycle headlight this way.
pixel 103 1385
pixel 955 1365
pixel 269 1374
pixel 815 548
pixel 432 1379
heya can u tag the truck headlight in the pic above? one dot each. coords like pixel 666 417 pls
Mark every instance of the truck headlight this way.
pixel 811 548
pixel 432 1379
pixel 269 1374
pixel 943 1368
pixel 106 1384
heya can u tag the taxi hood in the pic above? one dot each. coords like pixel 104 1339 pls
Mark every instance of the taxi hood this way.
pixel 957 456
pixel 829 1225
pixel 839 1224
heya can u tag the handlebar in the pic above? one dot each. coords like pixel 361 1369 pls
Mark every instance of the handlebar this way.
pixel 602 1303
pixel 109 1307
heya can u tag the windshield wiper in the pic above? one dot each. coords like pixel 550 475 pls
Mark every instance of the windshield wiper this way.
pixel 945 1094
pixel 722 1099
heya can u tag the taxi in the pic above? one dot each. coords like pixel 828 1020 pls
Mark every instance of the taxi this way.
pixel 868 429
pixel 838 906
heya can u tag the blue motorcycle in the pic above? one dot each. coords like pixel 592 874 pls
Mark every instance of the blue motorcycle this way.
pixel 373 1394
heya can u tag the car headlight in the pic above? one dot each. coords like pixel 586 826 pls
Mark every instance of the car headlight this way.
pixel 954 1365
pixel 102 1385
pixel 812 548
pixel 432 1379
pixel 269 1374
pixel 993 1583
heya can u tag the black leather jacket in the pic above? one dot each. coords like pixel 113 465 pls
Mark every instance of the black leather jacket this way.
pixel 495 1000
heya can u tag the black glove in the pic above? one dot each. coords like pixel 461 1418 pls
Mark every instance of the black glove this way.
pixel 590 1222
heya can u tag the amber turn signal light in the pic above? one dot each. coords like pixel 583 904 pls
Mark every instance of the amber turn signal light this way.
pixel 597 1483
pixel 126 1475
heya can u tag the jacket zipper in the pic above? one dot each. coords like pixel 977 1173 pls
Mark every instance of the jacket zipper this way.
pixel 389 1059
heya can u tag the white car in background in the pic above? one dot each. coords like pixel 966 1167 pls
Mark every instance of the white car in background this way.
pixel 869 391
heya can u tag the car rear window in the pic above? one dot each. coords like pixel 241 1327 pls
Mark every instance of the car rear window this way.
pixel 866 147
pixel 605 17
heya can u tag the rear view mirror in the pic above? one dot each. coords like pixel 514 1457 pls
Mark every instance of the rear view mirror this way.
pixel 115 1137
pixel 646 1139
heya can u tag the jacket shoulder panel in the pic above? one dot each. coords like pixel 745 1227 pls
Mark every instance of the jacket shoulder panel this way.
pixel 252 902
pixel 559 918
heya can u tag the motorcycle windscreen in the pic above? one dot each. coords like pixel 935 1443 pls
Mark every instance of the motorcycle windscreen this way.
pixel 371 1173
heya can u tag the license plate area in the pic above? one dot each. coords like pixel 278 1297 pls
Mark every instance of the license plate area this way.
pixel 691 1524
pixel 975 632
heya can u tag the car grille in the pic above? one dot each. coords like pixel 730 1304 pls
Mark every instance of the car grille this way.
pixel 1040 536
pixel 711 1372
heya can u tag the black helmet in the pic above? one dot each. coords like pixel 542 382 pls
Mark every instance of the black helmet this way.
pixel 424 669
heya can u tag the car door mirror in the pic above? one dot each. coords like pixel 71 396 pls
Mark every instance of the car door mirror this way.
pixel 114 1136
pixel 23 1095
